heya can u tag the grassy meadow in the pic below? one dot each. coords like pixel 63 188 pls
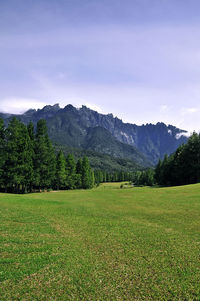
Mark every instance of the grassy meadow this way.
pixel 102 244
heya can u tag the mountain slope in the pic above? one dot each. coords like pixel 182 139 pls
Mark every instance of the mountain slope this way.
pixel 100 140
pixel 154 141
pixel 103 161
pixel 87 129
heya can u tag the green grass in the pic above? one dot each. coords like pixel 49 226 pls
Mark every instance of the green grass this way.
pixel 103 244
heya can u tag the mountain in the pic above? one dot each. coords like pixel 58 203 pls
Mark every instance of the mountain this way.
pixel 87 130
pixel 100 140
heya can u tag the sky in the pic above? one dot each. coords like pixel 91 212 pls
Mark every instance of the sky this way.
pixel 137 59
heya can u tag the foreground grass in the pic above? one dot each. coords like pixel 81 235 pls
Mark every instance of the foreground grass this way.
pixel 103 244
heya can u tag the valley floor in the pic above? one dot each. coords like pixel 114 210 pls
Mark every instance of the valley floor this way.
pixel 102 244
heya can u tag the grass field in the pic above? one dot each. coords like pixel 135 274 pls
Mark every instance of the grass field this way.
pixel 103 244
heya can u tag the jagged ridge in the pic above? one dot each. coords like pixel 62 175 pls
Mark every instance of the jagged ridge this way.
pixel 83 128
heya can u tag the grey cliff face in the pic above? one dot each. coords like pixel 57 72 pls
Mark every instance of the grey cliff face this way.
pixel 152 140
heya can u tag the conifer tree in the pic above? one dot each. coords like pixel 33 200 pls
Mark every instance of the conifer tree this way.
pixel 79 173
pixel 27 160
pixel 158 172
pixel 18 166
pixel 87 180
pixel 61 176
pixel 104 176
pixel 96 175
pixel 71 172
pixel 92 178
pixel 100 176
pixel 45 161
pixel 51 163
pixel 2 150
pixel 30 128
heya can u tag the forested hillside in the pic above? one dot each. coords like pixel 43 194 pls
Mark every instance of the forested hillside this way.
pixel 88 131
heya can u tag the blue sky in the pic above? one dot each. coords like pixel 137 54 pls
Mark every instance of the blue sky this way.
pixel 138 59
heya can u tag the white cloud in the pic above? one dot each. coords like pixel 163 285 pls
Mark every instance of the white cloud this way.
pixel 164 108
pixel 179 135
pixel 193 110
pixel 18 105
pixel 186 111
pixel 94 107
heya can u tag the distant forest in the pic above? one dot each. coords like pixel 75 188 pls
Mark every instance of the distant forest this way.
pixel 180 168
pixel 29 162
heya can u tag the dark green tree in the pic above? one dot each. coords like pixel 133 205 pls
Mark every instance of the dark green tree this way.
pixel 158 171
pixel 30 128
pixel 2 151
pixel 87 175
pixel 61 174
pixel 45 160
pixel 78 182
pixel 71 172
pixel 191 157
pixel 18 166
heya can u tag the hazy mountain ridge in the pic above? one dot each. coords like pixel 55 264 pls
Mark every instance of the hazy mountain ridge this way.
pixel 87 129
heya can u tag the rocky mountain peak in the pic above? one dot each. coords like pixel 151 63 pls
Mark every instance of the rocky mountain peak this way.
pixel 69 108
pixel 72 127
pixel 30 112
pixel 50 108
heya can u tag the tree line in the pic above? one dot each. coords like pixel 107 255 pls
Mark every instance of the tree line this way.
pixel 180 168
pixel 102 176
pixel 28 161
pixel 183 166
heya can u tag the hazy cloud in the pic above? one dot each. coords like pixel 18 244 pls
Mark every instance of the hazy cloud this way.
pixel 186 111
pixel 17 105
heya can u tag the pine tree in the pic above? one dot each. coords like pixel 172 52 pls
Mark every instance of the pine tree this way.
pixel 97 178
pixel 51 163
pixel 30 128
pixel 45 160
pixel 87 180
pixel 192 159
pixel 27 161
pixel 158 172
pixel 2 150
pixel 92 178
pixel 78 182
pixel 18 166
pixel 61 176
pixel 71 172
pixel 104 176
